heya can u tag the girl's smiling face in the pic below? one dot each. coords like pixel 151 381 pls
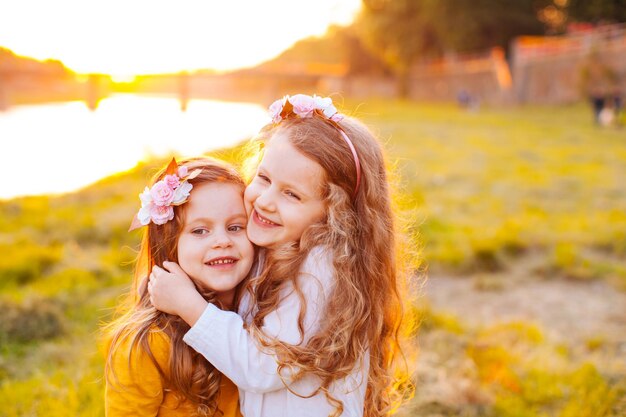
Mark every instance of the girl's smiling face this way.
pixel 213 248
pixel 284 197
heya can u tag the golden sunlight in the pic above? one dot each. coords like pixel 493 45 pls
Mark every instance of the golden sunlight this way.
pixel 141 37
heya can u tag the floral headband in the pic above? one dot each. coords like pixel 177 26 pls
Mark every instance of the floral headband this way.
pixel 157 203
pixel 303 106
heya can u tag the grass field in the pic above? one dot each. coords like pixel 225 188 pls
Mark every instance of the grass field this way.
pixel 496 184
pixel 488 191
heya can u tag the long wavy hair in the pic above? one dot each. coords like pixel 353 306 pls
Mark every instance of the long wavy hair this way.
pixel 190 375
pixel 371 263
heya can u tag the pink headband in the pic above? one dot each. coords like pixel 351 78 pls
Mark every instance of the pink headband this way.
pixel 306 106
pixel 357 164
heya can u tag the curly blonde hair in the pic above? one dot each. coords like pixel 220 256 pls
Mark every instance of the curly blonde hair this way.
pixel 365 309
pixel 190 375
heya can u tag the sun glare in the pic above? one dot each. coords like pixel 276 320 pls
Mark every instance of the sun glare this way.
pixel 125 38
pixel 75 146
pixel 122 78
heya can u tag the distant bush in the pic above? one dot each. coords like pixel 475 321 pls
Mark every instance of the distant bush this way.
pixel 34 319
pixel 578 263
pixel 69 281
pixel 24 262
pixel 24 212
pixel 582 392
pixel 429 320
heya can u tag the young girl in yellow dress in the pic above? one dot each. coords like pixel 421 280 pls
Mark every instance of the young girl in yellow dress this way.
pixel 320 320
pixel 195 216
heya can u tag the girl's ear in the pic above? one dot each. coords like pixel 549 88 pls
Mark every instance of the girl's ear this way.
pixel 174 268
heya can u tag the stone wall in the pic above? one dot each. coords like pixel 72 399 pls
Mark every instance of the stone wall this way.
pixel 549 70
pixel 484 77
pixel 541 70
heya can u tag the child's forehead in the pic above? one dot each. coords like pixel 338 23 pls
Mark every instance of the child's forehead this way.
pixel 210 196
pixel 280 149
pixel 287 165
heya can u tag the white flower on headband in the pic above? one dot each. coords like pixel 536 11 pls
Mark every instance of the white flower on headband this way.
pixel 302 105
pixel 157 203
pixel 325 104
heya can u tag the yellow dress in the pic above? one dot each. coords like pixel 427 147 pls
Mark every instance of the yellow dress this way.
pixel 136 389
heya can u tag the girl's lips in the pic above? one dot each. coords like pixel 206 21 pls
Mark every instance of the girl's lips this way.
pixel 262 221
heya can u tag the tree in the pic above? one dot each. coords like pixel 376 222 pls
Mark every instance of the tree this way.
pixel 470 25
pixel 340 45
pixel 404 31
pixel 358 57
pixel 399 32
pixel 595 10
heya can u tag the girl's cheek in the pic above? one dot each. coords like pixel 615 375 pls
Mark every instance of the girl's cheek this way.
pixel 179 245
pixel 248 199
pixel 248 206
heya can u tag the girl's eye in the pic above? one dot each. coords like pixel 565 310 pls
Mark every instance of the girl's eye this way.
pixel 235 228
pixel 263 177
pixel 199 232
pixel 292 195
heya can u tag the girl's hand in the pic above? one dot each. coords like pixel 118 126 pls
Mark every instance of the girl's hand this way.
pixel 173 292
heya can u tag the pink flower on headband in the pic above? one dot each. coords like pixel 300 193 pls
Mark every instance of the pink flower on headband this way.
pixel 157 203
pixel 172 181
pixel 276 108
pixel 162 194
pixel 302 105
pixel 161 214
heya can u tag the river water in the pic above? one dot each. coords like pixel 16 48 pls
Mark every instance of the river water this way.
pixel 61 147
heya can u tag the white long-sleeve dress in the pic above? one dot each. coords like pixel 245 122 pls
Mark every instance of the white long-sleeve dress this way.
pixel 221 338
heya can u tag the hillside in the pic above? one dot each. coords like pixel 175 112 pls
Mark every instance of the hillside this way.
pixel 27 80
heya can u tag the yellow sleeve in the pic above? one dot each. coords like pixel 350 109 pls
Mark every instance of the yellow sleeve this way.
pixel 134 387
pixel 228 399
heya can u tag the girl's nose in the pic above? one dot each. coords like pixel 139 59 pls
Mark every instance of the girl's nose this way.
pixel 265 201
pixel 222 240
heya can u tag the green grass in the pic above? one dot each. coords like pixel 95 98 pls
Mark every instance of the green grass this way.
pixel 498 183
pixel 486 189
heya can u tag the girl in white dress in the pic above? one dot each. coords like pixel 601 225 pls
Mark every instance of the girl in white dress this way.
pixel 317 332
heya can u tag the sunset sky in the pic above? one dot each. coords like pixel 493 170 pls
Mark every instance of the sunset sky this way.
pixel 126 37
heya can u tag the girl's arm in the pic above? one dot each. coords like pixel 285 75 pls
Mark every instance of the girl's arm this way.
pixel 134 386
pixel 220 335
